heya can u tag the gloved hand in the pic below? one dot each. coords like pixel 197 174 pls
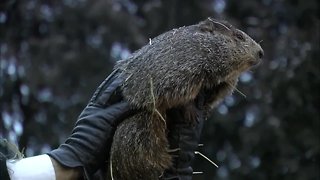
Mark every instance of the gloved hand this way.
pixel 184 134
pixel 89 144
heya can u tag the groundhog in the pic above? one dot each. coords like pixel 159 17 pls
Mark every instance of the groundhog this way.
pixel 168 72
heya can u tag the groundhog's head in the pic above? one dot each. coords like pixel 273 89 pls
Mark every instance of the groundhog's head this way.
pixel 226 53
pixel 229 50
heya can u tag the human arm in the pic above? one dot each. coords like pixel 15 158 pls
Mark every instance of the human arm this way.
pixel 88 146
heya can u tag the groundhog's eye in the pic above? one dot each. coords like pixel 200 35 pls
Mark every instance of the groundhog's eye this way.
pixel 239 35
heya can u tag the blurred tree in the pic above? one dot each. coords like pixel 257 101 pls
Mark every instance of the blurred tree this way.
pixel 53 54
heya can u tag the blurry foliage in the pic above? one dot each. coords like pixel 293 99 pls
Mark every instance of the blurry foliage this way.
pixel 53 54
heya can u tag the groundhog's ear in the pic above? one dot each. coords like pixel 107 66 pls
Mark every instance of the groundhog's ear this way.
pixel 206 26
pixel 210 25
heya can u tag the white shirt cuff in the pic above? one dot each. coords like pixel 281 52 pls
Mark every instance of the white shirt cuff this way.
pixel 35 168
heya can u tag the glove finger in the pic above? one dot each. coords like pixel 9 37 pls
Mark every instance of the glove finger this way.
pixel 106 89
pixel 111 90
pixel 122 111
pixel 112 115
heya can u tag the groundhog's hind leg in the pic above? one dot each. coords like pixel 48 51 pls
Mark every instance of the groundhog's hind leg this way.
pixel 139 148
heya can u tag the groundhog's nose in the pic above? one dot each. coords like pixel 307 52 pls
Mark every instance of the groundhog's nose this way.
pixel 260 54
pixel 257 56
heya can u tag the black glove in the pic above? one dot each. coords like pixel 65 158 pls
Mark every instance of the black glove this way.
pixel 89 144
pixel 184 134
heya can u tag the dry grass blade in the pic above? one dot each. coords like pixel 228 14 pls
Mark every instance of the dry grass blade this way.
pixel 111 172
pixel 216 22
pixel 154 103
pixel 240 92
pixel 160 115
pixel 236 89
pixel 12 149
pixel 173 150
pixel 205 157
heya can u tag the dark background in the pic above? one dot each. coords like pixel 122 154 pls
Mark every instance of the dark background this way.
pixel 53 54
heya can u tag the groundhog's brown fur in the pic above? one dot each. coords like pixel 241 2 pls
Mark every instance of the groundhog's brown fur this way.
pixel 170 71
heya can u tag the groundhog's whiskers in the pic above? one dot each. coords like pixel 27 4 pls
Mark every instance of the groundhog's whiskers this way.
pixel 205 157
pixel 260 41
pixel 154 103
